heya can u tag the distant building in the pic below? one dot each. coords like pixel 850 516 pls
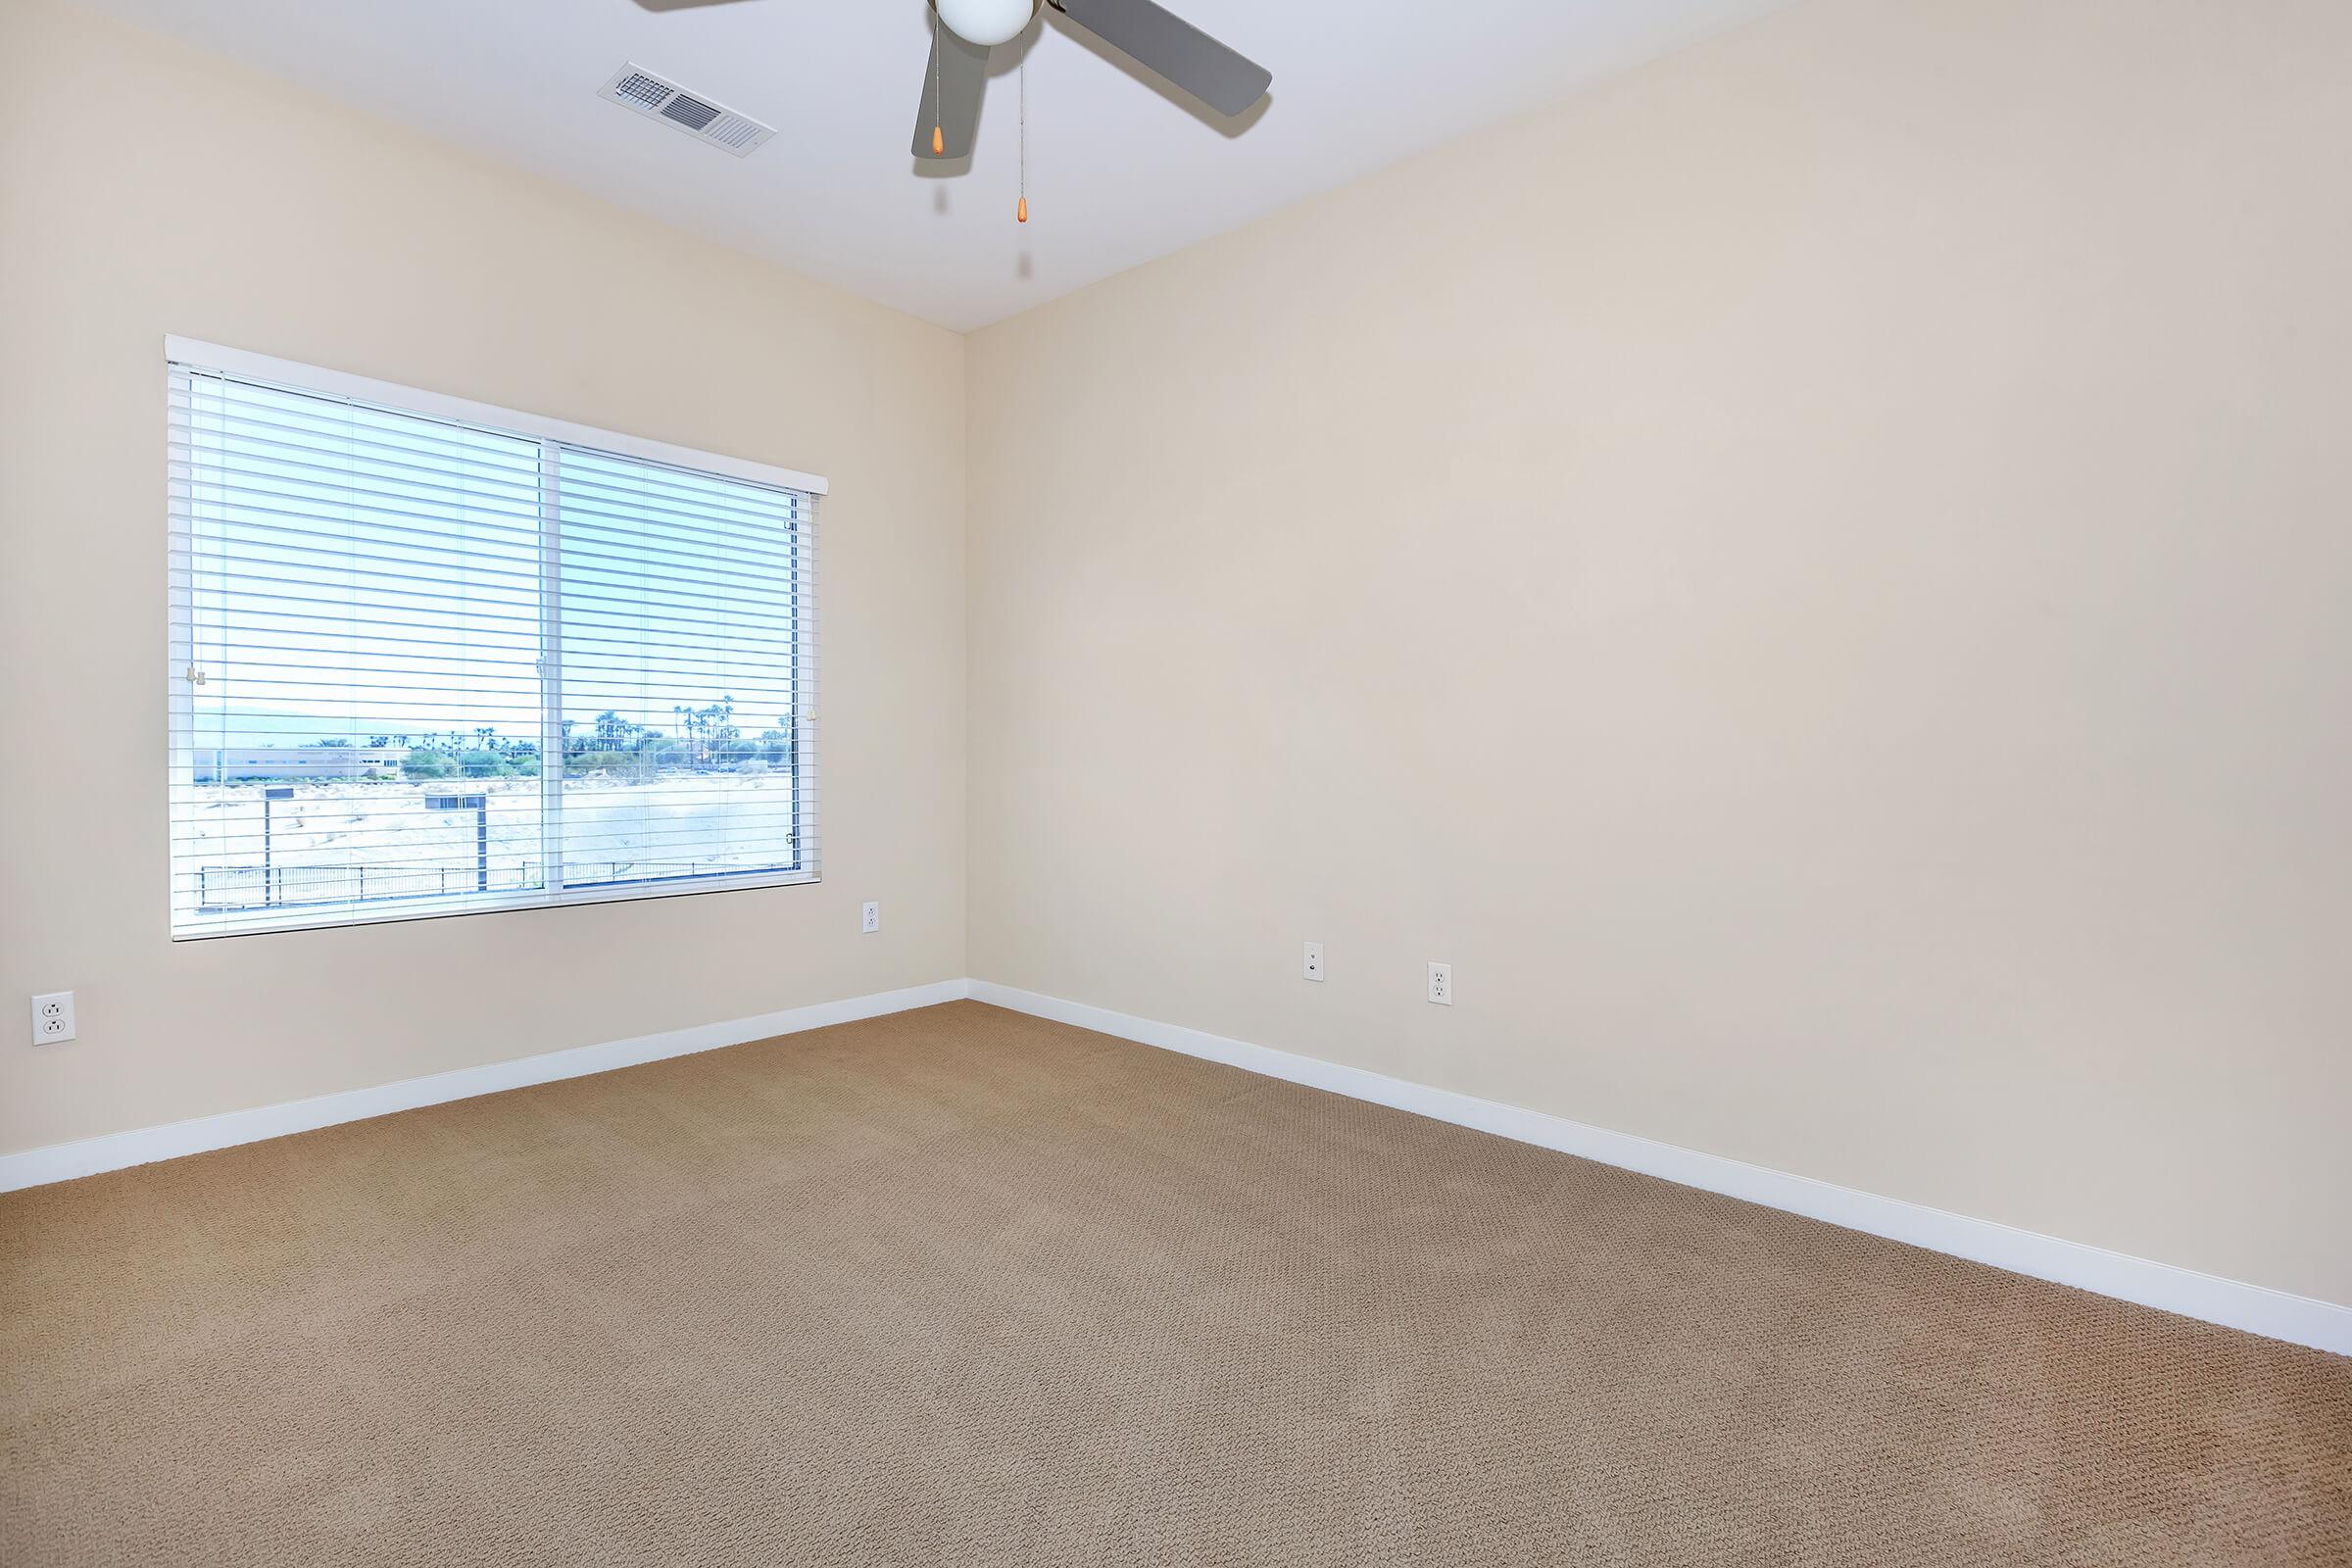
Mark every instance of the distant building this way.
pixel 220 764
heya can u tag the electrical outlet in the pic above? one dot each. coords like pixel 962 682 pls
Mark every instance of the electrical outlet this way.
pixel 52 1018
pixel 873 916
pixel 1315 960
pixel 1440 984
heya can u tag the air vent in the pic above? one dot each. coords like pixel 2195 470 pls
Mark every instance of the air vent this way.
pixel 692 112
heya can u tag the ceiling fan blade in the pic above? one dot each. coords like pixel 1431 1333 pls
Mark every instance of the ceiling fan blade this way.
pixel 1226 81
pixel 954 78
pixel 680 5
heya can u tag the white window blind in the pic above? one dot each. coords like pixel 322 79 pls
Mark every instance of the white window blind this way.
pixel 424 665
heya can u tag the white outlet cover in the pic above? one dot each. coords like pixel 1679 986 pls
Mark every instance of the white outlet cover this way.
pixel 52 1018
pixel 1440 984
pixel 873 916
pixel 1313 968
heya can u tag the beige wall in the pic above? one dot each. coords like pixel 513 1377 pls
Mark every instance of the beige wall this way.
pixel 1819 576
pixel 147 190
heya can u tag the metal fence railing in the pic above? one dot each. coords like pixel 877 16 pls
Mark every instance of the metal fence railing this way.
pixel 222 888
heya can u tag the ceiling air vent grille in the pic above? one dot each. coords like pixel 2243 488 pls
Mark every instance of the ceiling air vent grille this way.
pixel 662 99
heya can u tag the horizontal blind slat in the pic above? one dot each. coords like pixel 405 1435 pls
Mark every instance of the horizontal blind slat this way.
pixel 585 648
pixel 311 608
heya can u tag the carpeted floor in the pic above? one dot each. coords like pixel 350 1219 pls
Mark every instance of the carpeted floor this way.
pixel 960 1286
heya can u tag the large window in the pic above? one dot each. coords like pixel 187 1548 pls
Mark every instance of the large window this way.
pixel 430 659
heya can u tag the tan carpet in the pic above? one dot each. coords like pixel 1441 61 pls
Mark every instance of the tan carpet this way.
pixel 960 1286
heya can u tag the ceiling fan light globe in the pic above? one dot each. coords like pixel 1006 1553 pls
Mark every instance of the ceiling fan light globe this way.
pixel 985 22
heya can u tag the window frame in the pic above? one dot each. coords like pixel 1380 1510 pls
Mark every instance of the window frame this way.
pixel 551 433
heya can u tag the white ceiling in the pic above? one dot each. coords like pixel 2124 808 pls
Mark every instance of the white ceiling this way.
pixel 1120 170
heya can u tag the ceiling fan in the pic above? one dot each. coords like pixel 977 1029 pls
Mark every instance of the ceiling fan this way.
pixel 957 71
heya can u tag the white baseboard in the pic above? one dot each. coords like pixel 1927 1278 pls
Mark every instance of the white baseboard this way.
pixel 2273 1315
pixel 61 1162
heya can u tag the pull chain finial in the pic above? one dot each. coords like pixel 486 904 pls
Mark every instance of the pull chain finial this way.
pixel 939 138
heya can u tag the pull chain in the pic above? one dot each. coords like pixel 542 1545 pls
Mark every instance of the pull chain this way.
pixel 939 138
pixel 1022 213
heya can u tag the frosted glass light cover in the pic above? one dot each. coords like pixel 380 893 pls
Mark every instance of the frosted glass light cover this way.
pixel 987 22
